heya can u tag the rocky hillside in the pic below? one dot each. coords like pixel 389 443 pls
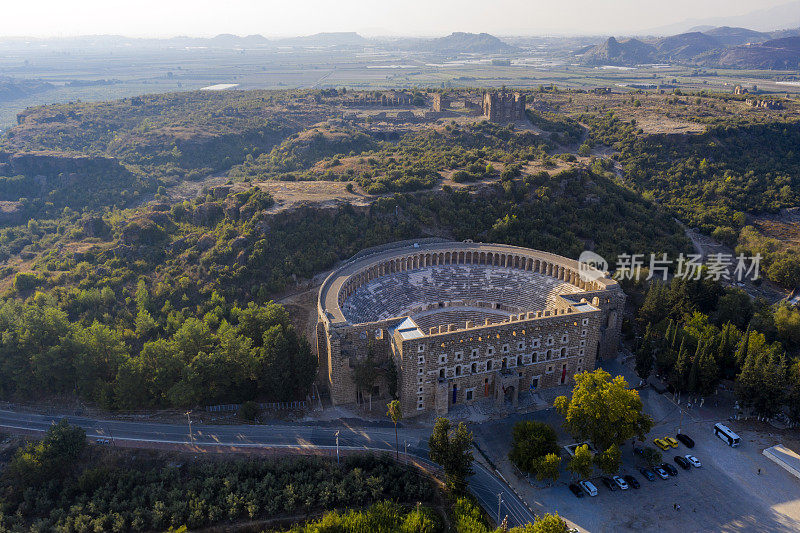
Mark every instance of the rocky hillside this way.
pixel 13 88
pixel 686 46
pixel 455 43
pixel 717 47
pixel 728 36
pixel 613 52
pixel 776 54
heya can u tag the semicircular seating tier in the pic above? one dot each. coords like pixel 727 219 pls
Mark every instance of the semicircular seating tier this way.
pixel 441 294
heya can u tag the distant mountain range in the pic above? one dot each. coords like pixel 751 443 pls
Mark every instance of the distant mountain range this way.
pixel 765 19
pixel 716 47
pixel 453 44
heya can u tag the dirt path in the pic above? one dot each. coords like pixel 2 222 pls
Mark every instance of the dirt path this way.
pixel 706 246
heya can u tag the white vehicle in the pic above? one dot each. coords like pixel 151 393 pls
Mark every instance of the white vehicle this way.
pixel 588 487
pixel 722 431
pixel 660 472
pixel 621 483
pixel 694 461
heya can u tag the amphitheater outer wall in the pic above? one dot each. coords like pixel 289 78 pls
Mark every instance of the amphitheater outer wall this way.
pixel 456 367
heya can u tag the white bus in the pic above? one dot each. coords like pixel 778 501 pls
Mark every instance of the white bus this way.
pixel 722 431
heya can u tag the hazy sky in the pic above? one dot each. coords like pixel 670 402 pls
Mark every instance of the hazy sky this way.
pixel 164 18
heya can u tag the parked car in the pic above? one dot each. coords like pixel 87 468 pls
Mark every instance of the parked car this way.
pixel 588 487
pixel 576 490
pixel 661 472
pixel 102 441
pixel 621 483
pixel 685 439
pixel 661 443
pixel 632 481
pixel 672 442
pixel 694 461
pixel 669 468
pixel 608 482
pixel 649 474
pixel 682 462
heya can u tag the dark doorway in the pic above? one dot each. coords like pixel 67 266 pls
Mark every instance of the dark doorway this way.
pixel 509 393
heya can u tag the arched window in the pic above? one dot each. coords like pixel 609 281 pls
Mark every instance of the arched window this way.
pixel 474 368
pixel 441 373
pixel 458 370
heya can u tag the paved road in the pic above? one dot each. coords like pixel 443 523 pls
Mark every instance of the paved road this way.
pixel 484 484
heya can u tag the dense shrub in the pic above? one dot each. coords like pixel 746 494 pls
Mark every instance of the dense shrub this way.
pixel 137 493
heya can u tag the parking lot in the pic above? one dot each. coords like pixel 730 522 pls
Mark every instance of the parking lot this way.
pixel 726 494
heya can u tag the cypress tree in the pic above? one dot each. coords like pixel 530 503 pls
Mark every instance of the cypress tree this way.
pixel 674 335
pixel 742 349
pixel 708 372
pixel 748 380
pixel 644 356
pixel 692 381
pixel 681 368
pixel 772 392
pixel 668 334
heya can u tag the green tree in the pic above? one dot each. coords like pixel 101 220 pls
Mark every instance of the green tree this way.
pixel 549 523
pixel 548 467
pixel 582 462
pixel 679 376
pixel 144 323
pixel 396 414
pixel 693 379
pixel 249 411
pixel 603 410
pixel 254 320
pixel 37 462
pixel 651 456
pixel 707 372
pixel 288 366
pixel 734 306
pixel 644 355
pixel 26 281
pixel 101 352
pixel 726 348
pixel 787 322
pixel 365 373
pixel 609 460
pixel 468 517
pixel 653 310
pixel 761 385
pixel 793 396
pixel 452 449
pixel 530 441
pixel 785 271
pixel 742 348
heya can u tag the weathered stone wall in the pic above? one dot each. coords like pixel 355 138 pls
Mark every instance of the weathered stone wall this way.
pixel 612 305
pixel 503 107
pixel 354 344
pixel 538 352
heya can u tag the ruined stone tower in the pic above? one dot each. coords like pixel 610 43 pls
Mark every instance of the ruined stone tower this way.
pixel 503 106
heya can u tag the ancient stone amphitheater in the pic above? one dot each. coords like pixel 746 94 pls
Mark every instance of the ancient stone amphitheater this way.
pixel 455 322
